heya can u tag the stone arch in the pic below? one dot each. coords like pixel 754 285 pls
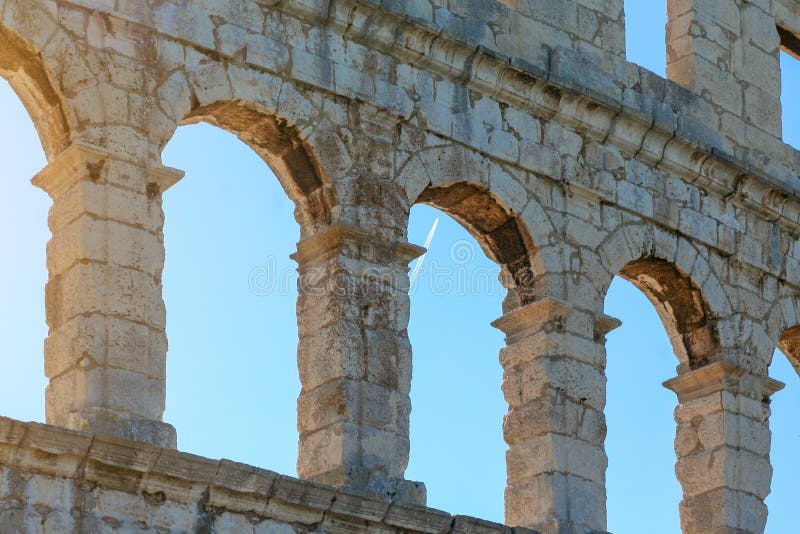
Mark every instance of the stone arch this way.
pixel 491 203
pixel 783 324
pixel 282 148
pixel 500 233
pixel 297 147
pixel 680 283
pixel 22 65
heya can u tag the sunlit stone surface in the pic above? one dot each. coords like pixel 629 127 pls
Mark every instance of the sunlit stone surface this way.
pixel 519 118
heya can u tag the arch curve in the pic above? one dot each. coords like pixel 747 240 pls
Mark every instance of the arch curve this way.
pixel 783 325
pixel 283 148
pixel 680 283
pixel 22 65
pixel 499 232
pixel 679 301
pixel 271 137
pixel 490 204
pixel 278 121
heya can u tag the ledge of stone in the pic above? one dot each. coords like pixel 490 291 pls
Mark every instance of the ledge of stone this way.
pixel 444 42
pixel 611 81
pixel 168 475
pixel 673 109
pixel 673 122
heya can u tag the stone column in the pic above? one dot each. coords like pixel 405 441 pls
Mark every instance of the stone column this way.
pixel 728 51
pixel 554 382
pixel 722 445
pixel 105 354
pixel 354 359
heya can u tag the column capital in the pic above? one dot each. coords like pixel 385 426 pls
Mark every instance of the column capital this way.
pixel 547 313
pixel 604 324
pixel 83 161
pixel 77 162
pixel 341 235
pixel 163 177
pixel 718 376
pixel 712 378
pixel 773 386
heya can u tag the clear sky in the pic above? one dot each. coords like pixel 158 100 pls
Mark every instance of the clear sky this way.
pixel 229 287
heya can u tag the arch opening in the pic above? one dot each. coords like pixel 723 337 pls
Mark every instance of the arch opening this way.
pixel 230 290
pixel 785 433
pixel 790 81
pixel 460 292
pixel 646 34
pixel 785 366
pixel 456 431
pixel 639 412
pixel 23 235
pixel 641 430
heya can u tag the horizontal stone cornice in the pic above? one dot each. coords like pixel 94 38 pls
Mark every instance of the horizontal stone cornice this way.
pixel 562 86
pixel 162 475
pixel 588 100
pixel 570 89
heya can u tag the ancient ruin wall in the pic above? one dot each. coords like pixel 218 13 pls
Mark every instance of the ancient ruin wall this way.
pixel 519 118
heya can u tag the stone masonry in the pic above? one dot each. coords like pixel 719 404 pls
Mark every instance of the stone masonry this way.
pixel 521 119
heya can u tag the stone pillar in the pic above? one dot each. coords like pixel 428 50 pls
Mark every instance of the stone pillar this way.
pixel 105 354
pixel 354 359
pixel 728 51
pixel 722 445
pixel 554 382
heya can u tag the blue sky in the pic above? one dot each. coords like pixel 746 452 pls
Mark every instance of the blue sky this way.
pixel 229 287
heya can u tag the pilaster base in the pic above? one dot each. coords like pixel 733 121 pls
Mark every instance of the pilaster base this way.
pixel 119 425
pixel 368 483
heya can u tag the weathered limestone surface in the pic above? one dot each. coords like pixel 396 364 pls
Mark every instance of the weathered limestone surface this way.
pixel 522 120
pixel 728 52
pixel 106 352
pixel 55 481
pixel 350 311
